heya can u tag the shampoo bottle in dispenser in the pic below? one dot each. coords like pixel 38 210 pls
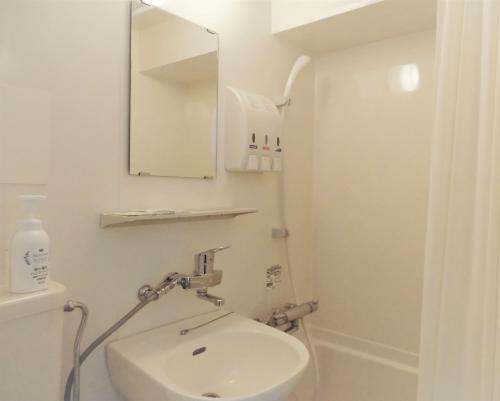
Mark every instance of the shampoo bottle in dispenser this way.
pixel 29 250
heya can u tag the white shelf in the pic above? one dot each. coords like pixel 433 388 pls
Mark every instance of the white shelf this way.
pixel 135 217
pixel 15 306
pixel 368 23
pixel 196 68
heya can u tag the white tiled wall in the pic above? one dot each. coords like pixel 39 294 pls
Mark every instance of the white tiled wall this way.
pixel 371 158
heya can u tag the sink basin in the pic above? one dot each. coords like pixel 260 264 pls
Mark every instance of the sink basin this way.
pixel 233 359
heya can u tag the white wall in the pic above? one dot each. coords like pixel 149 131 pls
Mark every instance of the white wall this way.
pixel 78 53
pixel 371 160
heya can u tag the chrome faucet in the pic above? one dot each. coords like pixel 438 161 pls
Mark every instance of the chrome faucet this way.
pixel 203 276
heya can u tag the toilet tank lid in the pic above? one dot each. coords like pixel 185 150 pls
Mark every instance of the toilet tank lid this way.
pixel 15 306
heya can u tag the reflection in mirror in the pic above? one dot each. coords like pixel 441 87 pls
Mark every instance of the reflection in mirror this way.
pixel 173 95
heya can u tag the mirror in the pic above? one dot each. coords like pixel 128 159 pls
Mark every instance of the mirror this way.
pixel 173 95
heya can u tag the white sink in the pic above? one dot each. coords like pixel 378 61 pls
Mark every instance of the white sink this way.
pixel 233 359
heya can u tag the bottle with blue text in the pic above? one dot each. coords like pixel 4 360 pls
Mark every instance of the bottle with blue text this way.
pixel 29 250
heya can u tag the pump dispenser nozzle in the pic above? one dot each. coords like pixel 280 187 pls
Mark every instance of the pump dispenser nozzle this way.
pixel 31 203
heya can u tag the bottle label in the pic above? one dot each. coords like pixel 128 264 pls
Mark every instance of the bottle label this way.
pixel 37 261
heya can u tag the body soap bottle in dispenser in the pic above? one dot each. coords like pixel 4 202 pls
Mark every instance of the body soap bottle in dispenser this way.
pixel 29 250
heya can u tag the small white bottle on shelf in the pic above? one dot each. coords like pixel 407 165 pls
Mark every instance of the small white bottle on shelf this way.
pixel 29 250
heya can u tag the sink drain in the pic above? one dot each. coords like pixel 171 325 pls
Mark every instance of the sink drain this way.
pixel 211 395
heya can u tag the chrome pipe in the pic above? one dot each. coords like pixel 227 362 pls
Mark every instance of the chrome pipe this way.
pixel 183 332
pixel 70 306
pixel 72 377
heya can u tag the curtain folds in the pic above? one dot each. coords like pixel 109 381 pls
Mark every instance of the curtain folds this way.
pixel 460 348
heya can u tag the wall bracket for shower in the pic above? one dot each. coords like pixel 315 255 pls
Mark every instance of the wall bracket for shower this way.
pixel 282 101
pixel 279 232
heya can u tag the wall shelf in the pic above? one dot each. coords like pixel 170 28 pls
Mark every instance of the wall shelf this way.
pixel 196 68
pixel 136 217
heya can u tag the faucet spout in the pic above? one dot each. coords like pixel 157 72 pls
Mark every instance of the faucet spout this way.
pixel 203 294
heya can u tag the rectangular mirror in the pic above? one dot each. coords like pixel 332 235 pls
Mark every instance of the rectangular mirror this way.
pixel 173 95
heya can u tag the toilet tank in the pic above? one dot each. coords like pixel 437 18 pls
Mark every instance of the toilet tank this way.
pixel 31 334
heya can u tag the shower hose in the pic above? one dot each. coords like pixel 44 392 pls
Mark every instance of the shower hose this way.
pixel 309 342
pixel 283 221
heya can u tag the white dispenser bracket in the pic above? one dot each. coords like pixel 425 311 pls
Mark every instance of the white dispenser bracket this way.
pixel 252 133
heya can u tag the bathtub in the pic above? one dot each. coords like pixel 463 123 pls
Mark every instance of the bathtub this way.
pixel 353 369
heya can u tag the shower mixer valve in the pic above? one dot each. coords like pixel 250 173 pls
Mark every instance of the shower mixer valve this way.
pixel 291 314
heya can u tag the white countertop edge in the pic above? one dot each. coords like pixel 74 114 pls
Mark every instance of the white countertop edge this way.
pixel 16 306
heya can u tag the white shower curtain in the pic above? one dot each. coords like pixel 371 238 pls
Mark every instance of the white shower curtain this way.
pixel 460 347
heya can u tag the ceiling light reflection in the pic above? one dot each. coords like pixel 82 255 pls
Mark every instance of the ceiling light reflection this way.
pixel 404 78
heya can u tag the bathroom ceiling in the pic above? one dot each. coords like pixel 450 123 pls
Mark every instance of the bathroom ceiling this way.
pixel 366 24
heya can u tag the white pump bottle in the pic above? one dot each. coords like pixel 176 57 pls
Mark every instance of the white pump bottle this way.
pixel 29 250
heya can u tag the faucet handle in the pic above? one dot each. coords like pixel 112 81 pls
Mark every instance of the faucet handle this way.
pixel 204 261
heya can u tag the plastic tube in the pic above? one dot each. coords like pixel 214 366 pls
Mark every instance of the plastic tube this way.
pixel 309 342
pixel 300 63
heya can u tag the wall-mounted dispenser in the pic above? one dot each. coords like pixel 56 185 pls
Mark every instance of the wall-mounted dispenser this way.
pixel 252 128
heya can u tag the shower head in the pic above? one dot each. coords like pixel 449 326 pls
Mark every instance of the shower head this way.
pixel 301 62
